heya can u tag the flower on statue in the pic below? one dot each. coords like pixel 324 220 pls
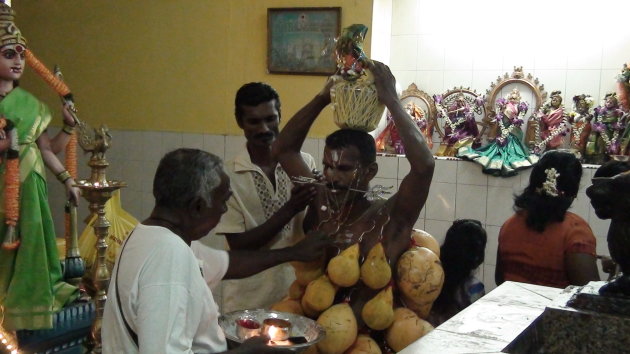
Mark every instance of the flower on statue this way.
pixel 613 148
pixel 599 127
pixel 523 107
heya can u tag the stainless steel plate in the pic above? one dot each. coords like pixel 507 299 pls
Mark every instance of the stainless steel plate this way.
pixel 301 326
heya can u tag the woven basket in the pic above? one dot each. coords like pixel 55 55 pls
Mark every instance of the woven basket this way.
pixel 355 105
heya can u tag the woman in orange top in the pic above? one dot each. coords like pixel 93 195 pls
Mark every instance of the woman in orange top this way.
pixel 543 243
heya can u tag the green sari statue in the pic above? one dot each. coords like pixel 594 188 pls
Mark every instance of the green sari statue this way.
pixel 507 153
pixel 31 286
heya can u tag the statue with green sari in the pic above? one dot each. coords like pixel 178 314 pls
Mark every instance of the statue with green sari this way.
pixel 31 285
pixel 507 153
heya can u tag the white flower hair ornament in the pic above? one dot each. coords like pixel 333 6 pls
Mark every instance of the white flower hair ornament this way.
pixel 550 187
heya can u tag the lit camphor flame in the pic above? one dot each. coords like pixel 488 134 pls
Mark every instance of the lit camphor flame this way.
pixel 277 330
pixel 274 333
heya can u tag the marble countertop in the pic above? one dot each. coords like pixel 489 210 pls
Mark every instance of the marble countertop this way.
pixel 489 324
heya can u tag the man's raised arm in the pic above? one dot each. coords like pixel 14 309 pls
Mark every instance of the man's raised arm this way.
pixel 286 149
pixel 414 188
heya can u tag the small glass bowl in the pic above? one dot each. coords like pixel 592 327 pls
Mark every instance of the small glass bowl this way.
pixel 247 327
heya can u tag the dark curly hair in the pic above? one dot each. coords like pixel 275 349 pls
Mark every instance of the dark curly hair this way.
pixel 363 141
pixel 253 94
pixel 462 252
pixel 612 168
pixel 542 208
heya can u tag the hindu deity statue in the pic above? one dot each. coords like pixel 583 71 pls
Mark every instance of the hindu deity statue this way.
pixel 460 127
pixel 580 119
pixel 389 141
pixel 623 90
pixel 553 124
pixel 606 129
pixel 506 153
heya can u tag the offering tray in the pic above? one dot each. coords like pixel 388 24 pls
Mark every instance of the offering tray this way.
pixel 301 327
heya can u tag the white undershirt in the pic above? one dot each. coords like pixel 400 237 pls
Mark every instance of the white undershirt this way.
pixel 164 297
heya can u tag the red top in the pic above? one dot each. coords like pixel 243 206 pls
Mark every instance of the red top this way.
pixel 538 258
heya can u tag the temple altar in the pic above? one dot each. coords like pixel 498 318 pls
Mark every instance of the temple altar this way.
pixel 525 318
pixel 489 324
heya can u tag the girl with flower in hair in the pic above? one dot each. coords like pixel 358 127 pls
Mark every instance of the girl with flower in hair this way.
pixel 507 153
pixel 462 252
pixel 543 243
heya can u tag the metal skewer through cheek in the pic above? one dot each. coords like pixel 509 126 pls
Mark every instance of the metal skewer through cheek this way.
pixel 377 189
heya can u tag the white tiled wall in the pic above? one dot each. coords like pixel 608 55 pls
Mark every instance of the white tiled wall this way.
pixel 459 189
pixel 440 45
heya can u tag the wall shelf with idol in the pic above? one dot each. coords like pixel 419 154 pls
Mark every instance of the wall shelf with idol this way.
pixel 514 122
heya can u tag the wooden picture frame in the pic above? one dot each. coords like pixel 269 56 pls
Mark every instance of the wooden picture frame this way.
pixel 301 41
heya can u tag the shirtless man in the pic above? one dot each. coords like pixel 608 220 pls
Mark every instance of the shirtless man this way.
pixel 341 208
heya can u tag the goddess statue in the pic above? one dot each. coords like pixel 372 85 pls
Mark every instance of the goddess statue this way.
pixel 623 90
pixel 580 119
pixel 608 125
pixel 553 122
pixel 32 288
pixel 389 139
pixel 460 127
pixel 506 153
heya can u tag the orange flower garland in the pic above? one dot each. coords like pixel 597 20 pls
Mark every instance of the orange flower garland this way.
pixel 59 86
pixel 11 188
pixel 63 90
pixel 71 165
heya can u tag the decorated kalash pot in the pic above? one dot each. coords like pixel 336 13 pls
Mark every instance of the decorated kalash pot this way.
pixel 354 99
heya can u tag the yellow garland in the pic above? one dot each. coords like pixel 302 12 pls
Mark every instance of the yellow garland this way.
pixel 12 194
pixel 8 341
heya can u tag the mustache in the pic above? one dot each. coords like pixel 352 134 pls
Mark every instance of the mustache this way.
pixel 264 135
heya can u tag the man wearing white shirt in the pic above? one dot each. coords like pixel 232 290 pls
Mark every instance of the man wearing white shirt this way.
pixel 158 300
pixel 265 210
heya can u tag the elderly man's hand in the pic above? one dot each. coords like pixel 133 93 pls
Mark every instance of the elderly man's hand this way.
pixel 301 196
pixel 312 247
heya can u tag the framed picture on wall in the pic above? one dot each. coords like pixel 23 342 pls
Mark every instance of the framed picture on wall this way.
pixel 302 40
